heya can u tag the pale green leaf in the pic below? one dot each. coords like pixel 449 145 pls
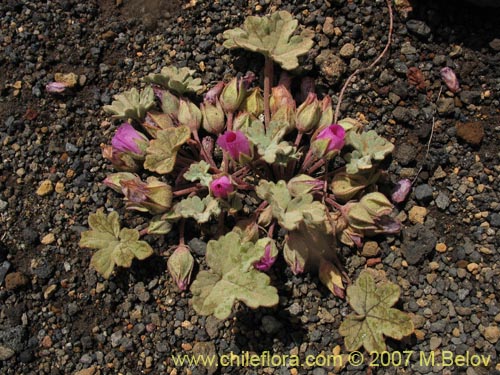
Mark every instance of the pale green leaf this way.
pixel 178 80
pixel 375 318
pixel 273 37
pixel 199 172
pixel 199 209
pixel 368 146
pixel 290 211
pixel 115 246
pixel 232 278
pixel 131 104
pixel 162 151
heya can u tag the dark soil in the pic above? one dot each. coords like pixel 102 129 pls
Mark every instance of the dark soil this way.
pixel 57 316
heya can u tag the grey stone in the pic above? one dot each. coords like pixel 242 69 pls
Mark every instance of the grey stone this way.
pixel 3 205
pixel 405 154
pixel 442 201
pixel 212 326
pixel 470 97
pixel 419 28
pixel 198 246
pixel 401 114
pixel 495 220
pixel 423 193
pixel 14 338
pixel 4 268
pixel 270 324
pixel 445 106
pixel 206 349
pixel 141 292
pixel 495 44
pixel 6 353
pixel 116 338
pixel 418 242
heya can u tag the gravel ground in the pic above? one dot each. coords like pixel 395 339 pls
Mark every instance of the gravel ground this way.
pixel 58 317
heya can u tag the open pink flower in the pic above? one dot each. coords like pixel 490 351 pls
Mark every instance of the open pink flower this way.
pixel 335 134
pixel 235 143
pixel 221 187
pixel 127 139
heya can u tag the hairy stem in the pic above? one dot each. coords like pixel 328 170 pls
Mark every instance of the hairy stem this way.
pixel 357 71
pixel 268 79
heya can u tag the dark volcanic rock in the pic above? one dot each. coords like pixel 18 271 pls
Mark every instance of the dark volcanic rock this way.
pixel 418 243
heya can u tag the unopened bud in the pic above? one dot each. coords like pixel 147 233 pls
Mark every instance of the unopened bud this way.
pixel 254 103
pixel 180 265
pixel 232 95
pixel 308 114
pixel 213 117
pixel 189 115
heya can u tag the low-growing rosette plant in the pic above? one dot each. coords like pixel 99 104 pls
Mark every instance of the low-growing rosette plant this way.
pixel 311 182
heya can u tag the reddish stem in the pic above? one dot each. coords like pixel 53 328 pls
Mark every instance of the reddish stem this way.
pixel 268 78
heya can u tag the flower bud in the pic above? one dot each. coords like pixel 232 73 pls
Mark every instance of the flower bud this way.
pixel 304 184
pixel 294 259
pixel 151 196
pixel 450 79
pixel 235 143
pixel 242 121
pixel 280 97
pixel 189 115
pixel 221 187
pixel 213 117
pixel 268 258
pixel 212 95
pixel 331 277
pixel 326 112
pixel 308 114
pixel 180 265
pixel 345 186
pixel 130 141
pixel 328 141
pixel 401 190
pixel 254 103
pixel 232 95
pixel 121 161
pixel 113 181
pixel 265 216
pixel 247 229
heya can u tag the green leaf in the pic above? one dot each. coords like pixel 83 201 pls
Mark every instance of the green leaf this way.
pixel 374 316
pixel 290 212
pixel 115 246
pixel 199 172
pixel 131 104
pixel 232 278
pixel 199 209
pixel 272 37
pixel 178 80
pixel 368 146
pixel 162 151
pixel 268 143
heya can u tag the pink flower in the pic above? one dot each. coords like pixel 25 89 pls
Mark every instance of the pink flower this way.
pixel 335 134
pixel 127 139
pixel 221 187
pixel 267 260
pixel 450 79
pixel 235 143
